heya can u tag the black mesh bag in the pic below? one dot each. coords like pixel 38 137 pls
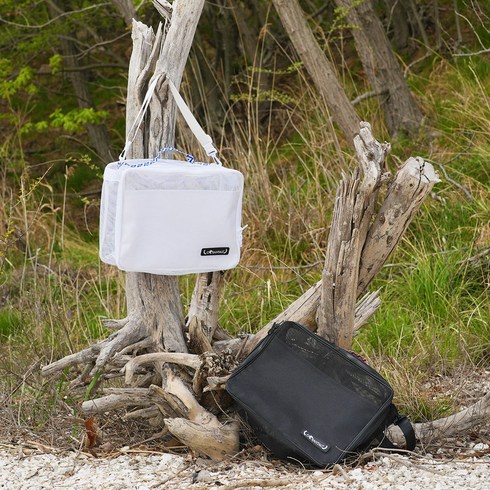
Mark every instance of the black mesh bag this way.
pixel 309 400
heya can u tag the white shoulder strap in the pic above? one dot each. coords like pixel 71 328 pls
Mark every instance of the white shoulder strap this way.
pixel 204 139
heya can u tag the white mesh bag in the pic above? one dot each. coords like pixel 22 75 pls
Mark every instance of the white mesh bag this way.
pixel 171 217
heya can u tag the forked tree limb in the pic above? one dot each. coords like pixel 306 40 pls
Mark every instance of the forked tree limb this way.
pixel 352 215
pixel 411 185
pixel 131 333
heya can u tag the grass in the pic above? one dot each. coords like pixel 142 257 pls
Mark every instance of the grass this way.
pixel 435 315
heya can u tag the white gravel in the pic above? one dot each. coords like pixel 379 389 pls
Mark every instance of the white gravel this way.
pixel 165 471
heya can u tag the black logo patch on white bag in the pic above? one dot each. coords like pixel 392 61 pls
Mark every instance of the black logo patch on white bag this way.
pixel 209 252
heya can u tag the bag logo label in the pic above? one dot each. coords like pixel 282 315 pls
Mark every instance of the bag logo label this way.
pixel 206 252
pixel 319 444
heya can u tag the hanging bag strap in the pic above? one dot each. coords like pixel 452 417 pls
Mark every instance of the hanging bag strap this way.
pixel 204 139
pixel 139 118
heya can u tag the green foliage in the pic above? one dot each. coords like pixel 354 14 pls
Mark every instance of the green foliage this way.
pixel 10 324
pixel 11 84
pixel 75 120
pixel 55 63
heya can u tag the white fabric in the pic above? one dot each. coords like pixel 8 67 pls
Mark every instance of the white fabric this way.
pixel 204 139
pixel 171 217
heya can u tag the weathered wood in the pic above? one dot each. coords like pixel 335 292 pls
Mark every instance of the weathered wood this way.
pixel 124 398
pixel 126 9
pixel 146 46
pixel 189 360
pixel 353 212
pixel 302 311
pixel 217 443
pixel 156 299
pixel 171 63
pixel 145 413
pixel 85 356
pixel 410 186
pixel 202 317
pixel 197 428
pixel 408 190
pixel 459 423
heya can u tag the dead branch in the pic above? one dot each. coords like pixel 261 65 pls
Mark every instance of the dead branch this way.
pixel 458 423
pixel 189 360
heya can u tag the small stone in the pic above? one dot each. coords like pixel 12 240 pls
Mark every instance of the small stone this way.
pixel 480 447
pixel 203 476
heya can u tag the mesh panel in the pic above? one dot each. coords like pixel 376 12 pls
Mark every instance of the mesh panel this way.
pixel 108 222
pixel 184 176
pixel 183 181
pixel 170 217
pixel 333 364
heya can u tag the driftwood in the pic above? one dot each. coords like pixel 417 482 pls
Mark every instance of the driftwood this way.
pixel 176 367
pixel 453 425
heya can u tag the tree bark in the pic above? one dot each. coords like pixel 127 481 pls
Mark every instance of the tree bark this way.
pixel 382 69
pixel 398 18
pixel 318 66
pixel 353 212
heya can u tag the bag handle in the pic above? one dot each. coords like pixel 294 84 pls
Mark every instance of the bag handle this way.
pixel 204 139
pixel 408 433
pixel 167 149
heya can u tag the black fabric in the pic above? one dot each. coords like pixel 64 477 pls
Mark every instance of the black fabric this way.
pixel 309 400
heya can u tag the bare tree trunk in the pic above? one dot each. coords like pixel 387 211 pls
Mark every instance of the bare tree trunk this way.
pixel 155 300
pixel 397 17
pixel 98 134
pixel 126 9
pixel 382 69
pixel 353 212
pixel 318 66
